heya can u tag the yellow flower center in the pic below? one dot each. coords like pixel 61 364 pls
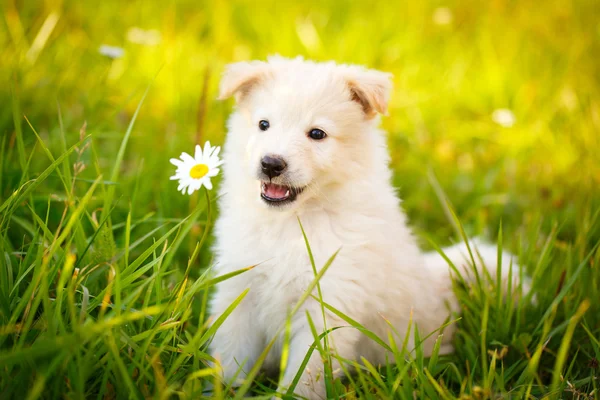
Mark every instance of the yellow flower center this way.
pixel 198 171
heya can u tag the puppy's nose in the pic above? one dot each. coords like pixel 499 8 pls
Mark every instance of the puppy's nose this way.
pixel 272 166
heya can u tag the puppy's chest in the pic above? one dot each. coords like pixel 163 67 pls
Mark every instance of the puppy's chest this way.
pixel 276 246
pixel 282 269
pixel 278 283
pixel 282 265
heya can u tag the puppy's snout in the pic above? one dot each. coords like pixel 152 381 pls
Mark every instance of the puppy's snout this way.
pixel 272 166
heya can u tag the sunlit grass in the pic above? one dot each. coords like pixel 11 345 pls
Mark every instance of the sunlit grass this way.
pixel 104 266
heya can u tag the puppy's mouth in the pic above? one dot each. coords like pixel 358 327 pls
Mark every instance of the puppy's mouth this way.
pixel 275 194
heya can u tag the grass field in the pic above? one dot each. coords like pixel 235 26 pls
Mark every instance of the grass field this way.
pixel 104 275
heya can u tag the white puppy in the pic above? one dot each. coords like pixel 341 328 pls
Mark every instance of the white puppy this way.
pixel 304 143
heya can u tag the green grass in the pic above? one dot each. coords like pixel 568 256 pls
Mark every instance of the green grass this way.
pixel 104 266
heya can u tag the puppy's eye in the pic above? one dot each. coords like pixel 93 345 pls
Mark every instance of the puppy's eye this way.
pixel 316 134
pixel 263 125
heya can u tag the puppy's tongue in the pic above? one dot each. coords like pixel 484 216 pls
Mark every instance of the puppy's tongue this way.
pixel 274 191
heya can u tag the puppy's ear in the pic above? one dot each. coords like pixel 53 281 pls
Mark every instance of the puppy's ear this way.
pixel 370 88
pixel 239 78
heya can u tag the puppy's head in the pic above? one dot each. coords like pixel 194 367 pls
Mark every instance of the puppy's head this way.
pixel 301 127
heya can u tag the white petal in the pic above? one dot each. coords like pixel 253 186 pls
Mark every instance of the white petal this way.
pixel 187 158
pixel 207 149
pixel 214 162
pixel 208 183
pixel 212 151
pixel 198 154
pixel 213 172
pixel 177 162
pixel 190 189
pixel 205 155
pixel 187 181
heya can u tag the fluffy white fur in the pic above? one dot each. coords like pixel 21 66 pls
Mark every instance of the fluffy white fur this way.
pixel 348 204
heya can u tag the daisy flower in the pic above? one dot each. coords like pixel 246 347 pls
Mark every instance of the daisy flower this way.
pixel 504 117
pixel 111 51
pixel 195 172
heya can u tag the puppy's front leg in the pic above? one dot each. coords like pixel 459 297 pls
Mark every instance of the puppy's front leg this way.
pixel 342 342
pixel 235 345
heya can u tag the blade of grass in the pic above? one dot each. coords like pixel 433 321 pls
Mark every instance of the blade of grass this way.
pixel 114 176
pixel 561 357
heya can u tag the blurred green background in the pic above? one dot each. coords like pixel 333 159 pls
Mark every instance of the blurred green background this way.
pixel 496 104
pixel 499 99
